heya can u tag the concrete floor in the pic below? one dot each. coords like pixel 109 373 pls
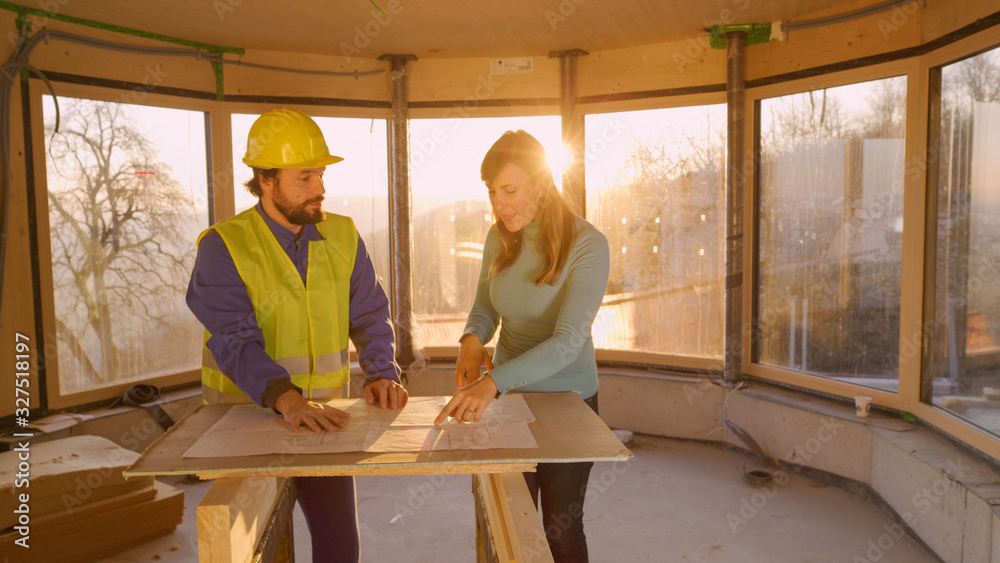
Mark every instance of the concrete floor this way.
pixel 674 501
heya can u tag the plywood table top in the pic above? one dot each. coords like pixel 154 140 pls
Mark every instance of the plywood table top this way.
pixel 565 429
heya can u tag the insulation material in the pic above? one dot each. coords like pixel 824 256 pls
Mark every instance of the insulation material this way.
pixel 67 474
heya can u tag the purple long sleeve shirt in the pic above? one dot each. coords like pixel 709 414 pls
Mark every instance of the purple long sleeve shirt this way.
pixel 218 298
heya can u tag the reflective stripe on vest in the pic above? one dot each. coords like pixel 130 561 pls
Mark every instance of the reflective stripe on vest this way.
pixel 324 364
pixel 305 328
pixel 209 395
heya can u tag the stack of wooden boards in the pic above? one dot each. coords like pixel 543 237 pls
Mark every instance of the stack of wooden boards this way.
pixel 80 507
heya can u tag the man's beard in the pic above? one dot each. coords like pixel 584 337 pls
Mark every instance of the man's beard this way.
pixel 297 214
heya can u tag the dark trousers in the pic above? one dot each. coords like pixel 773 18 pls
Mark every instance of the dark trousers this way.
pixel 330 507
pixel 562 487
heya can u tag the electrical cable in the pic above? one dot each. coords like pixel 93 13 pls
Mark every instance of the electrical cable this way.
pixel 846 16
pixel 299 71
pixel 8 75
pixel 195 53
pixel 19 61
pixel 742 434
pixel 725 404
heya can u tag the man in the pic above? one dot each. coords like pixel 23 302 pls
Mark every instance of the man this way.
pixel 280 288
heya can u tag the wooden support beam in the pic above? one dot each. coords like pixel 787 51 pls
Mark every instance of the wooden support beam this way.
pixel 508 529
pixel 277 544
pixel 235 514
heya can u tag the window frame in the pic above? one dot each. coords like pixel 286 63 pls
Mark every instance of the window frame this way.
pixel 918 253
pixel 752 206
pixel 959 428
pixel 55 398
pixel 710 367
pixel 910 287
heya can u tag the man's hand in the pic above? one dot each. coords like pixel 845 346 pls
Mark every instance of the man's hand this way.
pixel 387 392
pixel 470 401
pixel 472 355
pixel 299 411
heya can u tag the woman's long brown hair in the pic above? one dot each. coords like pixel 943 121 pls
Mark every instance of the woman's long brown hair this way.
pixel 556 218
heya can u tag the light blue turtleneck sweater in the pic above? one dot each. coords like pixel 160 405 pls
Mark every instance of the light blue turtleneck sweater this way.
pixel 545 343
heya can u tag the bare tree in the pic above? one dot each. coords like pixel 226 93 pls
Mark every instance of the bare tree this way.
pixel 665 207
pixel 119 225
pixel 978 77
pixel 813 114
pixel 885 116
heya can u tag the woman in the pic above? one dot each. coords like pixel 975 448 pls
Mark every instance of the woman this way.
pixel 544 273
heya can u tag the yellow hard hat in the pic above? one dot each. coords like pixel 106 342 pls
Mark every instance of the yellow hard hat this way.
pixel 287 138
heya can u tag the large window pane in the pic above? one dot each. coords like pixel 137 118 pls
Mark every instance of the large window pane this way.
pixel 831 224
pixel 127 198
pixel 964 374
pixel 357 186
pixel 451 214
pixel 656 188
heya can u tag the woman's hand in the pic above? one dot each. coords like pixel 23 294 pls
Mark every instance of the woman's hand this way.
pixel 386 393
pixel 472 355
pixel 470 401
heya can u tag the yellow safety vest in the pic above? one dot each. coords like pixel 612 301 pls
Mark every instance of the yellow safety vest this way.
pixel 305 328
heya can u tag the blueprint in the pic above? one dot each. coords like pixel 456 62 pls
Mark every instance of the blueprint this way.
pixel 247 429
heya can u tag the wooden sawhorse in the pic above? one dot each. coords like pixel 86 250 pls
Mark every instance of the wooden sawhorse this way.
pixel 250 520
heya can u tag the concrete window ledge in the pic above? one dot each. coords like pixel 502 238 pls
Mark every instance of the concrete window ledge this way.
pixel 947 497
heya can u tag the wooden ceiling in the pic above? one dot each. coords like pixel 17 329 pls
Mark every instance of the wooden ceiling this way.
pixel 440 28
